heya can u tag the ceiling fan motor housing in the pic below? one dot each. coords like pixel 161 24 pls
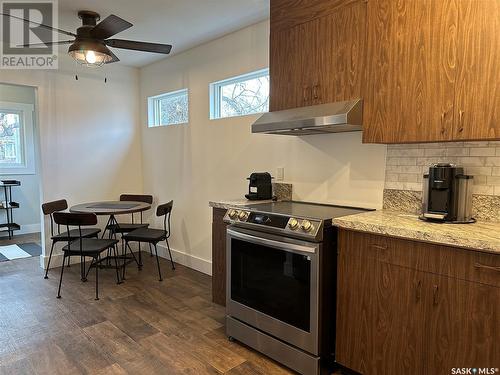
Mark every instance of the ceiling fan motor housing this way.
pixel 88 17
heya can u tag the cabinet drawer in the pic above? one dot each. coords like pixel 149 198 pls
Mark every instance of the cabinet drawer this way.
pixel 448 261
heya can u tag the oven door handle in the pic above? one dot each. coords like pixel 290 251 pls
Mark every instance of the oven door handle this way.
pixel 286 246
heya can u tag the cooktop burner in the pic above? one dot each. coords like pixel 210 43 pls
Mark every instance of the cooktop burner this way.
pixel 305 209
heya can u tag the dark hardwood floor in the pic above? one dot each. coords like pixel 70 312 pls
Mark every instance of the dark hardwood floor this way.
pixel 139 327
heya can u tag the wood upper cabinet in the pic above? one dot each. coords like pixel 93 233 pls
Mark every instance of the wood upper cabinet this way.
pixel 411 71
pixel 432 71
pixel 405 307
pixel 288 68
pixel 477 104
pixel 318 61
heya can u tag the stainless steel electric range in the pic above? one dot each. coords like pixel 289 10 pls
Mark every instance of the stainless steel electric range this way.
pixel 281 281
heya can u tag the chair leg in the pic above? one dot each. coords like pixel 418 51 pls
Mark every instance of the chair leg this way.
pixel 140 255
pixel 82 269
pixel 69 261
pixel 60 279
pixel 48 263
pixel 170 253
pixel 158 262
pixel 115 253
pixel 124 259
pixel 97 283
pixel 150 250
pixel 132 253
pixel 90 266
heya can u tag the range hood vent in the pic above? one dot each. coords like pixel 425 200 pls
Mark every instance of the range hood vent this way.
pixel 317 119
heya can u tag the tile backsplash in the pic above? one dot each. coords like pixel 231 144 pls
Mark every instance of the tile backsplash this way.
pixel 407 163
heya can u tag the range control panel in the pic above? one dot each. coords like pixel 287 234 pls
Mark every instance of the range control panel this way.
pixel 283 224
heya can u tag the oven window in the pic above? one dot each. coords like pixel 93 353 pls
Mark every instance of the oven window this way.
pixel 272 281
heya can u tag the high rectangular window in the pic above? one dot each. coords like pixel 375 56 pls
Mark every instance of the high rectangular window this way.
pixel 239 96
pixel 168 109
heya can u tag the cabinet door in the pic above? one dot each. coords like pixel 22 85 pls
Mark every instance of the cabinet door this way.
pixel 463 325
pixel 398 320
pixel 411 71
pixel 219 257
pixel 340 45
pixel 477 106
pixel 290 51
pixel 380 311
pixel 355 301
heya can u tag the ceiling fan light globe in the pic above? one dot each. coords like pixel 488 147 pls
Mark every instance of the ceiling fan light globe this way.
pixel 90 54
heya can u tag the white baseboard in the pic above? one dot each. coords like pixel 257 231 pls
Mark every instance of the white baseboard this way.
pixel 188 260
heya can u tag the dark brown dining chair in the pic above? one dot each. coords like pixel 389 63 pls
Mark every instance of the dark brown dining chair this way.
pixel 153 236
pixel 84 247
pixel 129 227
pixel 50 208
pixel 122 228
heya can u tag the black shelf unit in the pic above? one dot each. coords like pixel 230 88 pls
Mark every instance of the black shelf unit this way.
pixel 9 206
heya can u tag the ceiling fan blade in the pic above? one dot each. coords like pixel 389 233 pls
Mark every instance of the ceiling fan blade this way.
pixel 139 46
pixel 58 42
pixel 39 24
pixel 110 26
pixel 115 58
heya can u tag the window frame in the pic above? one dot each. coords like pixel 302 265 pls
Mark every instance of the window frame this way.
pixel 215 91
pixel 27 139
pixel 154 110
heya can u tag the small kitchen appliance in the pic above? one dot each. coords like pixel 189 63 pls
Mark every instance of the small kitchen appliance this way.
pixel 447 194
pixel 260 186
pixel 281 262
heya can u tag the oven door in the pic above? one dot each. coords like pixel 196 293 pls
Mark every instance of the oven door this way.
pixel 273 285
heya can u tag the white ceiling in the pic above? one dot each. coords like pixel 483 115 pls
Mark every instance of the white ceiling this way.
pixel 182 23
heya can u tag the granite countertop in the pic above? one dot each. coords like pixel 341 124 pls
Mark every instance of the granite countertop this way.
pixel 225 204
pixel 482 235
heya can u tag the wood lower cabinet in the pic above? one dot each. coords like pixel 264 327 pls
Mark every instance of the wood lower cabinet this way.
pixel 219 256
pixel 463 324
pixel 397 316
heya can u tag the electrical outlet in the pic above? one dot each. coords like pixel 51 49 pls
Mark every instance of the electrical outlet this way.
pixel 280 174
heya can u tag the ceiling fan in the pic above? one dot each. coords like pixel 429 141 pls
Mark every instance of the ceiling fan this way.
pixel 91 41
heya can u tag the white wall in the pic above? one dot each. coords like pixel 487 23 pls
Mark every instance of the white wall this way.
pixel 89 130
pixel 209 160
pixel 28 194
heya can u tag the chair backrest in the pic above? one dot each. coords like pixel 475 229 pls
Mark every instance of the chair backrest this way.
pixel 137 198
pixel 75 219
pixel 50 207
pixel 166 211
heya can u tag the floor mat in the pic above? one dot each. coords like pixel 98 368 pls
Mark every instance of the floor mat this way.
pixel 25 250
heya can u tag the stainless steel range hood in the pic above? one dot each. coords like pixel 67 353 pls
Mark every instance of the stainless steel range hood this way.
pixel 318 119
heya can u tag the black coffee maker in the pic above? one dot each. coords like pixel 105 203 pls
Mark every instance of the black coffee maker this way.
pixel 447 194
pixel 260 186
